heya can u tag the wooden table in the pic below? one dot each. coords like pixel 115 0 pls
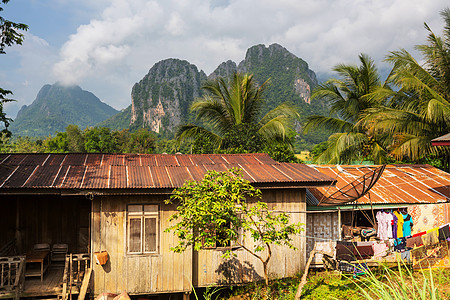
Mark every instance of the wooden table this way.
pixel 37 257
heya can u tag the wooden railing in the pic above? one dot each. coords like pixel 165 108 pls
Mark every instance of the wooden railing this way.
pixel 77 273
pixel 12 275
pixel 8 248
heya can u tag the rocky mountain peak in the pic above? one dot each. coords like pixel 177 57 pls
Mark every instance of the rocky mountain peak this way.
pixel 161 99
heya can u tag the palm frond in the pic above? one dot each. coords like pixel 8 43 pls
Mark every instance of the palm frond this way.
pixel 334 124
pixel 190 132
pixel 211 111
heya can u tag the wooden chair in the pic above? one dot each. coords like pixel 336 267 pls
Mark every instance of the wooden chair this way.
pixel 41 247
pixel 59 252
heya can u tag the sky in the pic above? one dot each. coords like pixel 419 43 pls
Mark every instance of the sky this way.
pixel 105 47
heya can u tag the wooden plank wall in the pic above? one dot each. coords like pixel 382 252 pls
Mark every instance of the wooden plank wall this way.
pixel 137 274
pixel 46 219
pixel 210 268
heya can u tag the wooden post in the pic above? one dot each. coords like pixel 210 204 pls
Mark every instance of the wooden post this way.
pixel 305 274
pixel 84 286
pixel 339 224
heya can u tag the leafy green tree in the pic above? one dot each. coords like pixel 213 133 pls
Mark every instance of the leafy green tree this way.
pixel 58 144
pixel 244 136
pixel 349 98
pixel 142 141
pixel 99 140
pixel 232 106
pixel 224 209
pixel 419 105
pixel 281 153
pixel 5 143
pixel 122 138
pixel 75 139
pixel 9 35
pixel 27 145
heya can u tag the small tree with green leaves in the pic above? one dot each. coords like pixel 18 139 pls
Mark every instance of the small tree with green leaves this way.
pixel 223 209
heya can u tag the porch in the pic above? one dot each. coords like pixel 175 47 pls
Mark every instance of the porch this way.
pixel 47 220
pixel 59 281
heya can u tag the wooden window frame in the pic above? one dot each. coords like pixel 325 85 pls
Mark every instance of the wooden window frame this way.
pixel 142 215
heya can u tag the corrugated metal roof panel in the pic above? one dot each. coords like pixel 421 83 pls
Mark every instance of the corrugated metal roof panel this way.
pixel 74 177
pixel 140 177
pixel 216 167
pixel 166 160
pixel 160 177
pixel 216 159
pixel 445 137
pixel 55 159
pixel 236 160
pixel 113 160
pixel 5 172
pixel 62 173
pixel 260 172
pixel 264 158
pixel 33 160
pixel 246 174
pixel 118 177
pixel 132 160
pixel 398 184
pixel 14 159
pixel 96 177
pixel 148 160
pixel 3 156
pixel 43 176
pixel 121 171
pixel 197 172
pixel 76 159
pixel 20 176
pixel 179 175
pixel 94 159
pixel 184 160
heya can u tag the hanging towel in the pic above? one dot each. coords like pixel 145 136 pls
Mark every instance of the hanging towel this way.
pixel 431 238
pixel 414 241
pixel 444 232
pixel 379 250
pixel 344 251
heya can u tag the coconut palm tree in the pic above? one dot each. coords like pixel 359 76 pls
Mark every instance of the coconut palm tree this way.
pixel 231 110
pixel 349 97
pixel 419 107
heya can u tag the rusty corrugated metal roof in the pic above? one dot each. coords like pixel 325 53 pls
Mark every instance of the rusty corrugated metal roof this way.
pixel 441 141
pixel 85 171
pixel 398 184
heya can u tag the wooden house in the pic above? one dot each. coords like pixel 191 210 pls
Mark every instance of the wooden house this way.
pixel 115 203
pixel 421 190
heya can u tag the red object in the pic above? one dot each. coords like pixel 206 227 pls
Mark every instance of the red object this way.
pixel 419 234
pixel 101 257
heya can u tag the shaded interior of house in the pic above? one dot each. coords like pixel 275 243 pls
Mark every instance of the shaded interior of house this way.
pixel 45 248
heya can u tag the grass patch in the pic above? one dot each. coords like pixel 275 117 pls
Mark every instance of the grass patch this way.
pixel 381 283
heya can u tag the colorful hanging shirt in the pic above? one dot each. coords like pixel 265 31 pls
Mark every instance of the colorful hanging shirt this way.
pixel 399 224
pixel 407 224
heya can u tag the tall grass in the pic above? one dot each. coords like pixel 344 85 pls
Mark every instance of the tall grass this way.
pixel 398 284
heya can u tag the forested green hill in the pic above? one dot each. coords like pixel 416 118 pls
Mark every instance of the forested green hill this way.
pixel 57 106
